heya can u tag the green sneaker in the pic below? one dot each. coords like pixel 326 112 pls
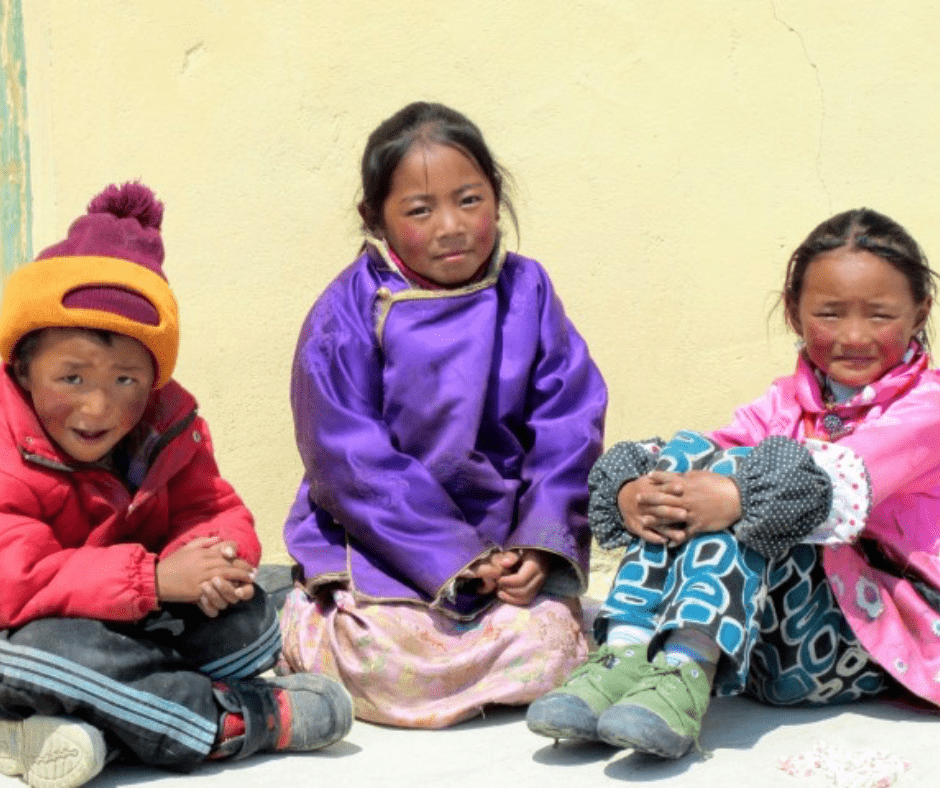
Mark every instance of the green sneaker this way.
pixel 662 714
pixel 571 711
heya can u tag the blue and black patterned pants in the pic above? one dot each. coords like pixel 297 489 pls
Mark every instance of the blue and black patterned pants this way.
pixel 782 635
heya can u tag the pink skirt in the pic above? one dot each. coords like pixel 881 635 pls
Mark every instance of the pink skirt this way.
pixel 413 667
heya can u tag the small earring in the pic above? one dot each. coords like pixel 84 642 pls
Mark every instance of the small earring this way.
pixel 799 344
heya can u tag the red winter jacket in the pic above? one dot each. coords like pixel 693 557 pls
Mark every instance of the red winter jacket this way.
pixel 77 543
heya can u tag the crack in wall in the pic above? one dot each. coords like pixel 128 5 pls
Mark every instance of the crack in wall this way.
pixel 190 56
pixel 822 99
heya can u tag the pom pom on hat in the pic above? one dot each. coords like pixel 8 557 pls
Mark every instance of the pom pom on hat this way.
pixel 122 222
pixel 106 274
pixel 132 200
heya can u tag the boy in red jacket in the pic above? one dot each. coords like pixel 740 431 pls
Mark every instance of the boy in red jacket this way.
pixel 129 620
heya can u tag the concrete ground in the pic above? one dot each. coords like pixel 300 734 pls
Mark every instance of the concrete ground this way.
pixel 747 743
pixel 851 746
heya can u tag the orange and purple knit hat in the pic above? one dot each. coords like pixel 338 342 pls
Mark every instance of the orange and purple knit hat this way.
pixel 107 274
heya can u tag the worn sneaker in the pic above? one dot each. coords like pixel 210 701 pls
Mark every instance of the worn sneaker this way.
pixel 316 711
pixel 662 714
pixel 51 752
pixel 572 710
pixel 296 713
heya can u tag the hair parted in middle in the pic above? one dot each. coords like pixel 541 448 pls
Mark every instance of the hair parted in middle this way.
pixel 423 123
pixel 860 229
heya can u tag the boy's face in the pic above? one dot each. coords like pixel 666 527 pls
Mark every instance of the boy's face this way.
pixel 87 394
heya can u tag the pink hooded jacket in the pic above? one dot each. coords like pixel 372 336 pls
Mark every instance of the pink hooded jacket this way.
pixel 894 428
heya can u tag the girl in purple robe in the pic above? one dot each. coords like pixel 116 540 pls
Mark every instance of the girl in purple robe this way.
pixel 447 413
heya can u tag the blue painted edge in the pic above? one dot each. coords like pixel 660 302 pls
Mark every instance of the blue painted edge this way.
pixel 15 193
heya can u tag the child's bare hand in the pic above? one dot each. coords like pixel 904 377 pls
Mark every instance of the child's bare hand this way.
pixel 705 501
pixel 489 570
pixel 218 594
pixel 525 577
pixel 643 517
pixel 181 576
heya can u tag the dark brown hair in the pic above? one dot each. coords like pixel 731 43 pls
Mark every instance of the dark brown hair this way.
pixel 861 229
pixel 430 123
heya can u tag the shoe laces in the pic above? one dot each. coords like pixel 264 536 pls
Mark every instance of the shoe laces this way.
pixel 666 679
pixel 607 658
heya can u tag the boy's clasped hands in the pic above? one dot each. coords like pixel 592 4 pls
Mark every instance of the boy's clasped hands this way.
pixel 207 572
pixel 664 507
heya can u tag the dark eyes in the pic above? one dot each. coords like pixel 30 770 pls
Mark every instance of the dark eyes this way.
pixel 465 201
pixel 76 380
pixel 875 316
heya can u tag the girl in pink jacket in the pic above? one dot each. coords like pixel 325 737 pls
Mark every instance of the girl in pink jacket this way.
pixel 803 570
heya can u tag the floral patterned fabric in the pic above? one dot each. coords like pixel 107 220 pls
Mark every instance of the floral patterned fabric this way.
pixel 415 667
pixel 864 599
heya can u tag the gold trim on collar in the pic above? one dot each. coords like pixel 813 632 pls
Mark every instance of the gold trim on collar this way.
pixel 386 297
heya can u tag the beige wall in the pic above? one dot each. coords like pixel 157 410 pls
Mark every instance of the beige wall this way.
pixel 668 156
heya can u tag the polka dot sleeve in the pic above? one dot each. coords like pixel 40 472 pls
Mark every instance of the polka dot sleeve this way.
pixel 785 495
pixel 851 493
pixel 790 492
pixel 620 464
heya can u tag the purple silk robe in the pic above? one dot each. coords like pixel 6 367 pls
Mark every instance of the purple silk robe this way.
pixel 437 425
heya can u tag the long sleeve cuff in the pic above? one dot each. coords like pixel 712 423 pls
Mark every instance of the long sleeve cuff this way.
pixel 785 495
pixel 620 464
pixel 851 493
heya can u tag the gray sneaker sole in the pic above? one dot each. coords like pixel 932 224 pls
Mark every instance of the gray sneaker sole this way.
pixel 638 728
pixel 562 717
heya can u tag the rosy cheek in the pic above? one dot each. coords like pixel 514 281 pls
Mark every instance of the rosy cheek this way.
pixel 818 336
pixel 137 411
pixel 486 230
pixel 52 410
pixel 414 238
pixel 409 244
pixel 58 406
pixel 894 340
